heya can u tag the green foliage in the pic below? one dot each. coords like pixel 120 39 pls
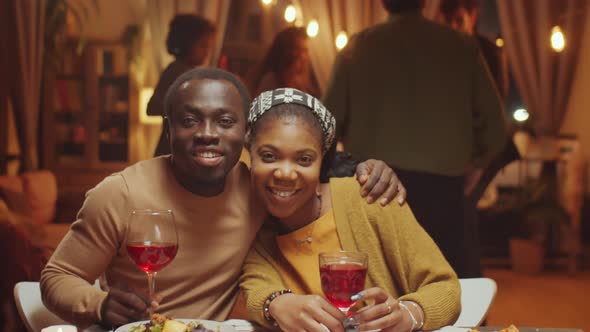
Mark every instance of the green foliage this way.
pixel 55 37
pixel 538 209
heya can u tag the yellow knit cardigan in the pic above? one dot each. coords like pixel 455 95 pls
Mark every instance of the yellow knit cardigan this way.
pixel 403 259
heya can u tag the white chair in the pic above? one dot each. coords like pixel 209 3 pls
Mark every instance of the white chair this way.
pixel 33 313
pixel 477 295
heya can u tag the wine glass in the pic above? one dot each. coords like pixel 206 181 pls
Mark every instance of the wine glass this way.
pixel 343 275
pixel 152 242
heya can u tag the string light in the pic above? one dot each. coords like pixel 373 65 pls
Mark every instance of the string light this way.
pixel 313 28
pixel 557 39
pixel 341 40
pixel 499 42
pixel 290 13
pixel 520 115
pixel 266 2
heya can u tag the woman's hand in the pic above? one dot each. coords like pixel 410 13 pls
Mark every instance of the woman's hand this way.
pixel 379 180
pixel 385 313
pixel 294 312
pixel 124 305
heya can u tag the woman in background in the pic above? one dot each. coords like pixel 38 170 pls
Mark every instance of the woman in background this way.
pixel 190 40
pixel 286 64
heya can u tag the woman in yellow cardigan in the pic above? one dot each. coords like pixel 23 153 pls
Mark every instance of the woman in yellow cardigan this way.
pixel 409 285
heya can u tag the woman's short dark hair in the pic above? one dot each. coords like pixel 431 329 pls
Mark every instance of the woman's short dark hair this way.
pixel 184 31
pixel 400 6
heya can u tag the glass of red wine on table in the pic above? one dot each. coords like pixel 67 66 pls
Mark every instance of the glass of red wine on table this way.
pixel 152 242
pixel 343 274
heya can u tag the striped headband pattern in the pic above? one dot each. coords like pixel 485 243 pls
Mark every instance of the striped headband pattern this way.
pixel 268 99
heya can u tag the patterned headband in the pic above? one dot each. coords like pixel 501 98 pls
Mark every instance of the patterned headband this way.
pixel 268 99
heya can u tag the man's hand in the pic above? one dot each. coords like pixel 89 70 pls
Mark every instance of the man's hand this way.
pixel 379 180
pixel 124 305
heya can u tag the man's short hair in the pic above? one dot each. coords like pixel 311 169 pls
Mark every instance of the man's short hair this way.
pixel 400 6
pixel 211 74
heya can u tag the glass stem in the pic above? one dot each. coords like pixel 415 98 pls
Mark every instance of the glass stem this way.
pixel 151 289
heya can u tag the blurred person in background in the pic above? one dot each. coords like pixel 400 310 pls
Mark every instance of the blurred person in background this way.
pixel 462 16
pixel 419 96
pixel 286 64
pixel 190 40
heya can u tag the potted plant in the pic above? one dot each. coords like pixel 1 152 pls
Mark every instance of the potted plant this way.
pixel 538 215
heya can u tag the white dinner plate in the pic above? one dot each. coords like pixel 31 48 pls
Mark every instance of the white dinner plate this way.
pixel 209 324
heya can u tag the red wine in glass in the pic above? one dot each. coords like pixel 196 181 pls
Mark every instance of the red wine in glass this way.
pixel 151 257
pixel 342 275
pixel 152 242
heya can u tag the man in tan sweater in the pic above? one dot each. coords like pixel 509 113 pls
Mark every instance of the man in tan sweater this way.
pixel 216 216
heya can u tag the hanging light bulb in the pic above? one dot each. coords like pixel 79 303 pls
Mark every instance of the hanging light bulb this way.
pixel 341 40
pixel 557 39
pixel 520 115
pixel 290 13
pixel 499 42
pixel 313 28
pixel 266 2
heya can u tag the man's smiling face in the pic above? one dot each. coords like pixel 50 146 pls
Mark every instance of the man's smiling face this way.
pixel 207 128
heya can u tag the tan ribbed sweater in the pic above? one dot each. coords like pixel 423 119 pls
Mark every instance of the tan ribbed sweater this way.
pixel 214 235
pixel 403 259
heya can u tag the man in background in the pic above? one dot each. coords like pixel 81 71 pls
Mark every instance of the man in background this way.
pixel 462 15
pixel 418 95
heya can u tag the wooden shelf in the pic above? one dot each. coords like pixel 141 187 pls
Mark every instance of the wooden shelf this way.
pixel 88 124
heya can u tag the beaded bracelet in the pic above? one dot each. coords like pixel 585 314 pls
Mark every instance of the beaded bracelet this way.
pixel 414 321
pixel 266 306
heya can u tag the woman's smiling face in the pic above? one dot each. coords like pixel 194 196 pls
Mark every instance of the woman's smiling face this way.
pixel 286 157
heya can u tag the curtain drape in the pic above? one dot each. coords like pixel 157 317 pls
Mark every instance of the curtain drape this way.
pixel 350 16
pixel 22 62
pixel 4 93
pixel 543 76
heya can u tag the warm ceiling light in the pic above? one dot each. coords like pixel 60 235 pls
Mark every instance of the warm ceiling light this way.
pixel 290 13
pixel 520 115
pixel 557 39
pixel 499 42
pixel 266 2
pixel 313 28
pixel 341 40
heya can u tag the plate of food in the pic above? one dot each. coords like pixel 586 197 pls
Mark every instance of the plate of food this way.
pixel 161 323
